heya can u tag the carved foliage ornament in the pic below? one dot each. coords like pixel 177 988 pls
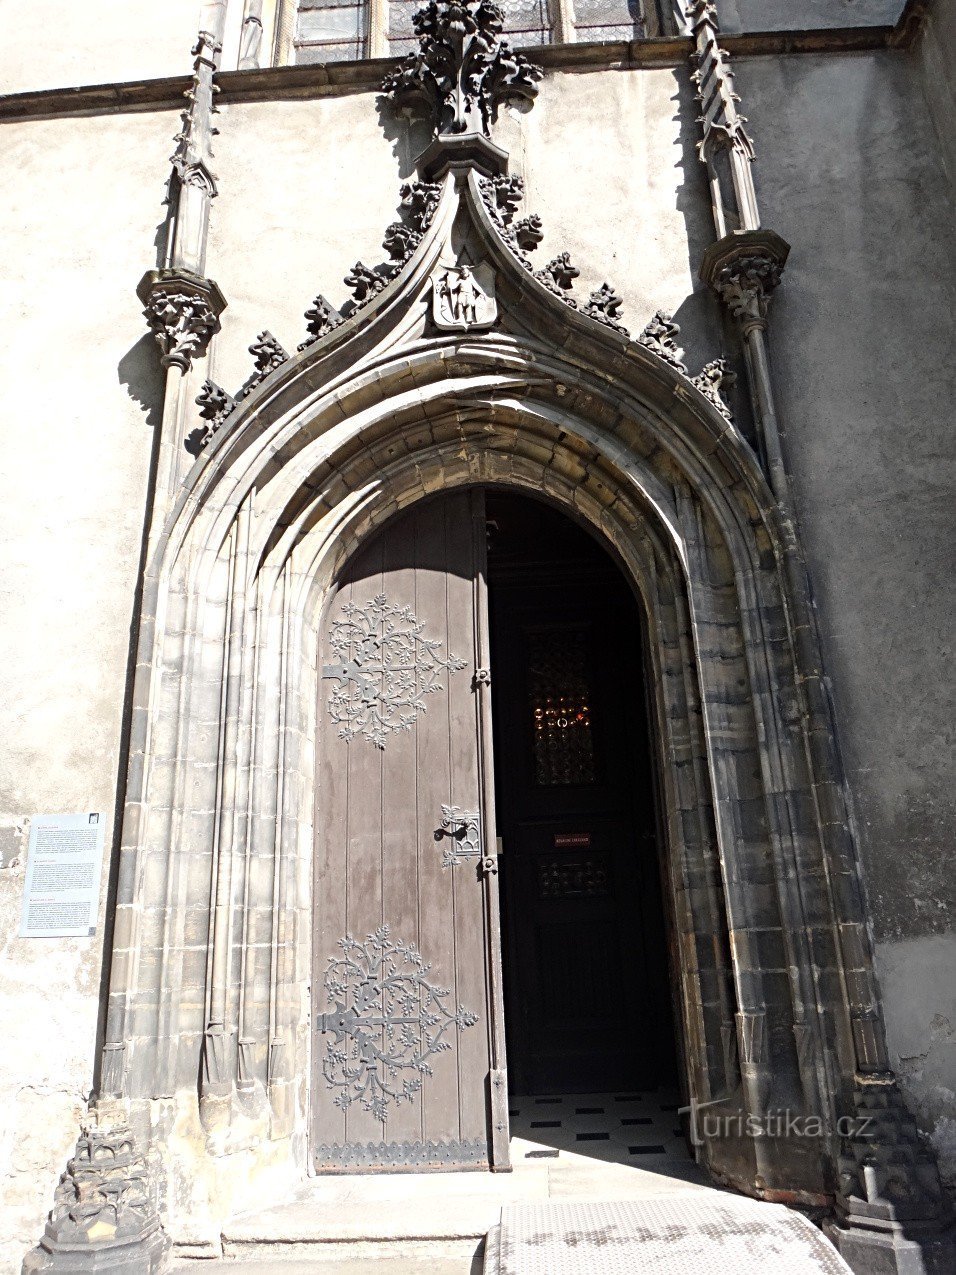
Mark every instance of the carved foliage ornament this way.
pixel 712 381
pixel 384 666
pixel 182 314
pixel 462 70
pixel 387 1020
pixel 418 203
pixel 745 286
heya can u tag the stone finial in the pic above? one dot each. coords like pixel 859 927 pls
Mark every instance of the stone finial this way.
pixel 604 305
pixel 268 354
pixel 182 310
pixel 191 160
pixel 103 1216
pixel 712 381
pixel 722 123
pixel 660 336
pixel 461 72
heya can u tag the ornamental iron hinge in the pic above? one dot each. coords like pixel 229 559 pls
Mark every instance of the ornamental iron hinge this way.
pixel 463 829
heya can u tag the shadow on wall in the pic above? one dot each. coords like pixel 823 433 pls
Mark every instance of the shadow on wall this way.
pixel 408 133
pixel 141 375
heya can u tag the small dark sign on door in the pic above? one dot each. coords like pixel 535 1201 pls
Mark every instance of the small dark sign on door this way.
pixel 566 840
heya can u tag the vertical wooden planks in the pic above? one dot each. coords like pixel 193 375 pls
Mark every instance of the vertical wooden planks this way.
pixel 433 790
pixel 470 986
pixel 378 861
pixel 402 837
pixel 363 865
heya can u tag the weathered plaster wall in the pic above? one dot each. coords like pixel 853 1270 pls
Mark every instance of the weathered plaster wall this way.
pixel 850 173
pixel 81 393
pixel 98 42
pixel 805 15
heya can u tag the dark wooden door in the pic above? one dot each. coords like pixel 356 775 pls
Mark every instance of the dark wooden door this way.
pixel 407 1025
pixel 587 994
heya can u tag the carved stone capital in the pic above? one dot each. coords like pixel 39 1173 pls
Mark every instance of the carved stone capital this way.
pixel 103 1217
pixel 182 310
pixel 892 1210
pixel 743 269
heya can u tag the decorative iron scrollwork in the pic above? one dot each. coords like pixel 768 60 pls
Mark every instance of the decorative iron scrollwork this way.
pixel 463 829
pixel 387 1021
pixel 385 666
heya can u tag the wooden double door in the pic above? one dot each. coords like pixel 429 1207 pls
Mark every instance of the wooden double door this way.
pixel 408 1001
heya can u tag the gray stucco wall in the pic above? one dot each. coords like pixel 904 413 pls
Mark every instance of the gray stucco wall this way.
pixel 97 42
pixel 805 15
pixel 81 395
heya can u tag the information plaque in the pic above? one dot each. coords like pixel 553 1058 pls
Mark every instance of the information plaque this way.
pixel 62 888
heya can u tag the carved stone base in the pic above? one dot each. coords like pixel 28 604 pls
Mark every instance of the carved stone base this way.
pixel 893 1252
pixel 103 1218
pixel 470 149
pixel 893 1217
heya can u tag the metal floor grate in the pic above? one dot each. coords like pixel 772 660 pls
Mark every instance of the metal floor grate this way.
pixel 664 1235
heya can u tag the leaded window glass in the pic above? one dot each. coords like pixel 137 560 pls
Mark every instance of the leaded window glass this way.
pixel 560 705
pixel 330 31
pixel 526 22
pixel 401 34
pixel 606 20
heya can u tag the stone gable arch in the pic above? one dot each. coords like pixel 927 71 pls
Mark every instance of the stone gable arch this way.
pixel 220 819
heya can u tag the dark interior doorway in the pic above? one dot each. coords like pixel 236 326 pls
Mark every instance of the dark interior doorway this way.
pixel 587 993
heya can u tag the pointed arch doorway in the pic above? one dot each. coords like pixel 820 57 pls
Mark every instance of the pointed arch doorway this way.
pixel 481 690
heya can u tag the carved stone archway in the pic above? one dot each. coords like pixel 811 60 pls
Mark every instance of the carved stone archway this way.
pixel 371 417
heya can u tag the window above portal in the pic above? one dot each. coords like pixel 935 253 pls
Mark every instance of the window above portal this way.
pixel 339 31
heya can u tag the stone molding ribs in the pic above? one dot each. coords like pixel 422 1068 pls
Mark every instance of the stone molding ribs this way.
pixel 723 125
pixel 103 1217
pixel 182 310
pixel 462 69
